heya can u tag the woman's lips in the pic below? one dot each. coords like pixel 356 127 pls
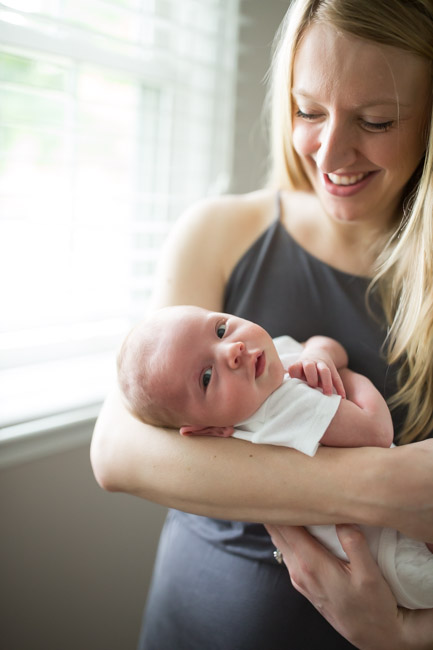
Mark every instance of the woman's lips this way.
pixel 260 364
pixel 345 185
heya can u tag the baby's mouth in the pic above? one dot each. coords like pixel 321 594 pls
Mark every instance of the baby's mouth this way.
pixel 260 364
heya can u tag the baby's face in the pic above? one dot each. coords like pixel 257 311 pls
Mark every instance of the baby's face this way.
pixel 217 369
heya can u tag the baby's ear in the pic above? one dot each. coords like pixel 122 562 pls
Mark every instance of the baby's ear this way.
pixel 220 432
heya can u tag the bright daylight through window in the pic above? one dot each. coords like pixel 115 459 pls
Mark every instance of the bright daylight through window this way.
pixel 114 116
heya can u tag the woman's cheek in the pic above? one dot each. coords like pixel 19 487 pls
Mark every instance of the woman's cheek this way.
pixel 303 138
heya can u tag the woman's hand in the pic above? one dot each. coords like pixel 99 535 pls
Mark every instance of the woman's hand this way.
pixel 353 597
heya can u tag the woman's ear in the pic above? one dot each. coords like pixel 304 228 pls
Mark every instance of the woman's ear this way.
pixel 219 432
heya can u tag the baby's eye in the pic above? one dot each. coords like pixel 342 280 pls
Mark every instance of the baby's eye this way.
pixel 206 377
pixel 221 330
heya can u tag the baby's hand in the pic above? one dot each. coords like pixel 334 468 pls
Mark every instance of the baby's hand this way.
pixel 318 373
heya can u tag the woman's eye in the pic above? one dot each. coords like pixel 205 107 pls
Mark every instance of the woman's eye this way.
pixel 377 126
pixel 221 330
pixel 306 116
pixel 206 377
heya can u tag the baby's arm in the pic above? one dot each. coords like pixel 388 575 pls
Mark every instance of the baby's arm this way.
pixel 363 419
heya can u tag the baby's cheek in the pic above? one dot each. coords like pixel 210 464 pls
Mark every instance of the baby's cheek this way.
pixel 238 404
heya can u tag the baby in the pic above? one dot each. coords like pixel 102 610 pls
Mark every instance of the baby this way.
pixel 209 373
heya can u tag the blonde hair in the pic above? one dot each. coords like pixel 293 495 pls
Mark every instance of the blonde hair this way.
pixel 404 273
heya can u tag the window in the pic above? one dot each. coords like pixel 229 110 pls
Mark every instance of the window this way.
pixel 114 116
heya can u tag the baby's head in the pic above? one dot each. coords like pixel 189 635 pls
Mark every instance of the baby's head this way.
pixel 200 371
pixel 142 371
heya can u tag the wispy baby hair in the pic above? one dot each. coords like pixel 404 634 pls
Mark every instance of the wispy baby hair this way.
pixel 139 375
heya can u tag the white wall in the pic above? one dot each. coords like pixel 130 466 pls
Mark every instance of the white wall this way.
pixel 262 18
pixel 75 562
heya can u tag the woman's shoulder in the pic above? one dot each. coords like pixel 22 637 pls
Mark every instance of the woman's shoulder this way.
pixel 212 236
pixel 253 210
pixel 206 243
pixel 227 225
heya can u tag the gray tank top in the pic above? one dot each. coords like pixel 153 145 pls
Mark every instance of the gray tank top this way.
pixel 288 291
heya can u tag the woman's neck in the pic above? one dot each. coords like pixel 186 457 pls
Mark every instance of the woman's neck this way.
pixel 349 247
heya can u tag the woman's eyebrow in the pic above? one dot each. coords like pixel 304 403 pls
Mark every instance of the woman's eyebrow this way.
pixel 380 101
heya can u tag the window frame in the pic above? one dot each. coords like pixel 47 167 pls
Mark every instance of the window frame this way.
pixel 159 71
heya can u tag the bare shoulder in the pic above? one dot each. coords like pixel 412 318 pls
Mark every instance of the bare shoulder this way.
pixel 226 226
pixel 244 212
pixel 242 220
pixel 207 242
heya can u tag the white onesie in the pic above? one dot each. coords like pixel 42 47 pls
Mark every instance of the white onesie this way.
pixel 297 416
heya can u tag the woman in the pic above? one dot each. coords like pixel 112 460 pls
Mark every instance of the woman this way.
pixel 352 158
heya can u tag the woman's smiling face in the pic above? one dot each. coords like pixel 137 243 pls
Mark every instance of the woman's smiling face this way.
pixel 360 111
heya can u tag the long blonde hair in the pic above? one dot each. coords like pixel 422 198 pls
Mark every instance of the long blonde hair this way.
pixel 404 273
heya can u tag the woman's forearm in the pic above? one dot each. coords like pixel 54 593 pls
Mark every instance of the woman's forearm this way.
pixel 387 487
pixel 232 479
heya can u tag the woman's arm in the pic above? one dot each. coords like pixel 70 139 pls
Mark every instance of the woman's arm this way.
pixel 225 478
pixel 353 597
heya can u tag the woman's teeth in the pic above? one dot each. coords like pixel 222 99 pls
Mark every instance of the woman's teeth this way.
pixel 346 180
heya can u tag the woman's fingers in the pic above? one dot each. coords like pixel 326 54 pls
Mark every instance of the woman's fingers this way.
pixel 352 596
pixel 356 548
pixel 303 556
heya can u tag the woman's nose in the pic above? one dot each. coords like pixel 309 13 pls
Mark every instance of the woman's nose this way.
pixel 336 150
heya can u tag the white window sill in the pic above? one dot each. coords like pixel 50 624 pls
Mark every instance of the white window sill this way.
pixel 22 443
pixel 37 391
pixel 51 407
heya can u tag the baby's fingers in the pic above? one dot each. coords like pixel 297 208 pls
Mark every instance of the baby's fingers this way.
pixel 296 370
pixel 330 379
pixel 311 373
pixel 337 382
pixel 325 375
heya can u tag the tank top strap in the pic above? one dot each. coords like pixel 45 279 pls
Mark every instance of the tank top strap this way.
pixel 278 210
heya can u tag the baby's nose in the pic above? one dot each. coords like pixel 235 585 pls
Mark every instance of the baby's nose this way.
pixel 234 353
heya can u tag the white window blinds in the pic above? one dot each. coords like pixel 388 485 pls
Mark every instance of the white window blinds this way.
pixel 114 116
